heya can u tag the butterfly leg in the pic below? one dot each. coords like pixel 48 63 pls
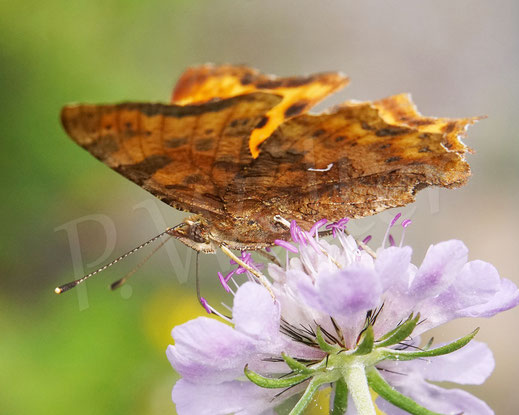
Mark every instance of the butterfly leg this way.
pixel 323 234
pixel 270 257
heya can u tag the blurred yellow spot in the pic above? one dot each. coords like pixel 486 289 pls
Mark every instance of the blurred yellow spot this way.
pixel 320 404
pixel 168 309
pixel 374 397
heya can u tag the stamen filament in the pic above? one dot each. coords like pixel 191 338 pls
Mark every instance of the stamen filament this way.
pixel 405 224
pixel 286 245
pixel 212 310
pixel 391 224
pixel 223 282
pixel 261 278
pixel 317 225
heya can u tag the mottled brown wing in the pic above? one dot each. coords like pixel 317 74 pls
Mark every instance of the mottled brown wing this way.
pixel 239 157
pixel 184 155
pixel 354 161
pixel 208 82
pixel 400 110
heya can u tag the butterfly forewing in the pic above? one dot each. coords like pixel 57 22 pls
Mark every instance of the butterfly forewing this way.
pixel 185 155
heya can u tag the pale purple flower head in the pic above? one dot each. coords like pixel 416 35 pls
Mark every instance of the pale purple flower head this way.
pixel 344 316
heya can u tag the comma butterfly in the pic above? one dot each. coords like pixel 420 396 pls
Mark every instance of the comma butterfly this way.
pixel 237 148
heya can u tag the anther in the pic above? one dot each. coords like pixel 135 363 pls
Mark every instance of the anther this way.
pixel 286 245
pixel 395 219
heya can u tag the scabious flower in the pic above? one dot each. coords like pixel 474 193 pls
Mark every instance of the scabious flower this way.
pixel 346 317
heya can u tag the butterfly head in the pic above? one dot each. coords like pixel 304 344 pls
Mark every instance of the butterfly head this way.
pixel 194 233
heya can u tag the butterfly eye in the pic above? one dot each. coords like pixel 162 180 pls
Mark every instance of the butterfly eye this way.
pixel 197 234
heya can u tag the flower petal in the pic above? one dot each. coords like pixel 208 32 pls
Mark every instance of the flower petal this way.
pixel 304 288
pixel 352 290
pixel 496 294
pixel 392 265
pixel 440 266
pixel 477 282
pixel 470 365
pixel 255 312
pixel 209 351
pixel 478 291
pixel 240 398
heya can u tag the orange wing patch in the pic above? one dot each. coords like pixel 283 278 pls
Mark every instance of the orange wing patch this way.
pixel 208 82
pixel 400 110
pixel 299 94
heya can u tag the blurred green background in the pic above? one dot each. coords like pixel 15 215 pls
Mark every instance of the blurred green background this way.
pixel 102 352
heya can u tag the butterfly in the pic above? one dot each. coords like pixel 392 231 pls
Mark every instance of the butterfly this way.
pixel 239 150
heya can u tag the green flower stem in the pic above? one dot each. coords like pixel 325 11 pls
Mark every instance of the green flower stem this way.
pixel 355 377
pixel 354 371
pixel 386 391
pixel 340 401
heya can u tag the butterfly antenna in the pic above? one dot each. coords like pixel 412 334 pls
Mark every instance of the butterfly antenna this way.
pixel 197 280
pixel 123 280
pixel 72 284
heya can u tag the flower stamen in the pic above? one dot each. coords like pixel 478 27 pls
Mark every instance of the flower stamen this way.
pixel 338 226
pixel 405 224
pixel 314 230
pixel 391 224
pixel 367 239
pixel 288 246
pixel 261 278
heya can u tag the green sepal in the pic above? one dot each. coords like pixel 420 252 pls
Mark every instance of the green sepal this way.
pixel 325 346
pixel 309 393
pixel 296 366
pixel 439 351
pixel 400 333
pixel 387 392
pixel 340 400
pixel 391 332
pixel 367 341
pixel 273 383
pixel 429 344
